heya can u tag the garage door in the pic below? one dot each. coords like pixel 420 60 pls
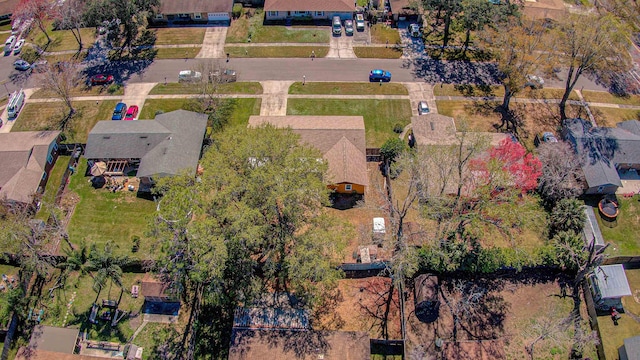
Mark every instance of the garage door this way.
pixel 221 16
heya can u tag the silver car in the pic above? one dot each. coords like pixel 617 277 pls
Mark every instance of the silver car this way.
pixel 423 108
pixel 348 27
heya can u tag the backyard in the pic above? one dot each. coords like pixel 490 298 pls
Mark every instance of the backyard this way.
pixel 380 116
pixel 101 216
pixel 48 116
pixel 624 236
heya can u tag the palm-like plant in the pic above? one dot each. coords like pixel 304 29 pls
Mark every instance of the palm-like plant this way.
pixel 106 266
pixel 567 215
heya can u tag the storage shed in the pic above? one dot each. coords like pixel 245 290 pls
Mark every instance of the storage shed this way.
pixel 608 284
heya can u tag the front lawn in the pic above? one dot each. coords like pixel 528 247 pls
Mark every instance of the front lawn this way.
pixel 82 90
pixel 101 216
pixel 497 91
pixel 347 88
pixel 378 52
pixel 624 237
pixel 383 34
pixel 61 40
pixel 606 116
pixel 177 53
pixel 227 88
pixel 179 36
pixel 48 116
pixel 276 51
pixel 242 108
pixel 608 98
pixel 380 116
pixel 250 26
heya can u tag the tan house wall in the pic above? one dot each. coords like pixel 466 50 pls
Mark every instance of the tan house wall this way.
pixel 341 188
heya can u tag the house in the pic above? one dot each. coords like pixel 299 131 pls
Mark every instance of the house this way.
pixel 608 284
pixel 26 158
pixel 341 140
pixel 194 11
pixel 404 10
pixel 157 299
pixel 168 145
pixel 605 153
pixel 48 342
pixel 631 348
pixel 308 9
pixel 6 9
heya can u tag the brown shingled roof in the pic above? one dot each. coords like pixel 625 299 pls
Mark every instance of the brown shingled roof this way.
pixel 341 139
pixel 25 353
pixel 309 5
pixel 194 6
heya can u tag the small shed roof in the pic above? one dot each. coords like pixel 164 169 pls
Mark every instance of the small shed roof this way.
pixel 591 231
pixel 612 281
pixel 631 348
pixel 49 338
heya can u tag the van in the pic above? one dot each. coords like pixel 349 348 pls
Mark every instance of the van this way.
pixel 8 45
pixel 16 101
pixel 337 25
pixel 189 75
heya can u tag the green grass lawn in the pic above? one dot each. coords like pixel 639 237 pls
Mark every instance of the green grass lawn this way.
pixel 243 108
pixel 178 36
pixel 497 91
pixel 383 34
pixel 81 90
pixel 624 237
pixel 613 336
pixel 52 59
pixel 50 191
pixel 605 97
pixel 227 88
pixel 61 40
pixel 155 334
pixel 47 116
pixel 377 52
pixel 244 27
pixel 276 51
pixel 101 216
pixel 177 53
pixel 611 116
pixel 380 116
pixel 348 88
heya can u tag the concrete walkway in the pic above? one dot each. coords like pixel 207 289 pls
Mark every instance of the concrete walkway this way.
pixel 274 98
pixel 213 43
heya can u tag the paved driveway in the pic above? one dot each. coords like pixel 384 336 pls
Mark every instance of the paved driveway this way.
pixel 341 47
pixel 413 47
pixel 213 43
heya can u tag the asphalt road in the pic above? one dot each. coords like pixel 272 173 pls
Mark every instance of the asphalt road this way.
pixel 403 70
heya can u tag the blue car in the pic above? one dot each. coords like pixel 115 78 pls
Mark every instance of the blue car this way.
pixel 119 111
pixel 378 74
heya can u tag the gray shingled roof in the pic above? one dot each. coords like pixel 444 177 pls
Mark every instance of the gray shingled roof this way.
pixel 165 146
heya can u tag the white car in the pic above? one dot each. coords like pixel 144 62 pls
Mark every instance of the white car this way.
pixel 17 48
pixel 534 82
pixel 21 65
pixel 189 75
pixel 423 108
pixel 414 30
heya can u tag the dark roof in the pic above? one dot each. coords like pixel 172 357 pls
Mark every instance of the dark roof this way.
pixel 631 349
pixel 195 6
pixel 49 338
pixel 165 146
pixel 26 353
pixel 310 5
pixel 247 344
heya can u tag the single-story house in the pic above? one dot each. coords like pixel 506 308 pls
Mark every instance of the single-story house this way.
pixel 157 299
pixel 166 146
pixel 404 10
pixel 6 8
pixel 205 11
pixel 255 344
pixel 311 9
pixel 608 284
pixel 49 342
pixel 631 348
pixel 26 158
pixel 604 152
pixel 341 140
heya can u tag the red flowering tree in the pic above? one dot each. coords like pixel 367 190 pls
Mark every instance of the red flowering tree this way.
pixel 37 10
pixel 522 168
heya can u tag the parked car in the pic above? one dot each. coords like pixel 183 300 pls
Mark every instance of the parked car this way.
pixel 21 65
pixel 17 48
pixel 189 75
pixel 423 108
pixel 379 74
pixel 348 27
pixel 39 66
pixel 132 113
pixel 101 79
pixel 534 82
pixel 337 25
pixel 549 137
pixel 223 76
pixel 119 111
pixel 8 45
pixel 359 22
pixel 414 30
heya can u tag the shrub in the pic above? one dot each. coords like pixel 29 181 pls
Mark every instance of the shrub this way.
pixel 397 128
pixel 237 11
pixel 113 88
pixel 135 239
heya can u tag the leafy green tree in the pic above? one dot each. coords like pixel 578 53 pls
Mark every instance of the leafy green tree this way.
pixel 567 215
pixel 478 14
pixel 105 266
pixel 590 44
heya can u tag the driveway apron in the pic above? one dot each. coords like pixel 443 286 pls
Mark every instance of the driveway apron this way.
pixel 4 118
pixel 341 47
pixel 213 43
pixel 136 94
pixel 420 91
pixel 274 98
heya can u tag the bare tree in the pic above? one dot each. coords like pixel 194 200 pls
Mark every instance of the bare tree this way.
pixel 70 14
pixel 552 328
pixel 37 10
pixel 561 174
pixel 61 79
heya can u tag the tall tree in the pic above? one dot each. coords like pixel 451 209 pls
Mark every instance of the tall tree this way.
pixel 37 10
pixel 106 265
pixel 561 175
pixel 70 14
pixel 567 215
pixel 477 14
pixel 61 79
pixel 591 44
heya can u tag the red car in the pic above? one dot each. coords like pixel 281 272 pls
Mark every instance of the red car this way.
pixel 132 113
pixel 101 79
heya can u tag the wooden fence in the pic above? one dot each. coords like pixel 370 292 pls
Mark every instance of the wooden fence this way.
pixel 373 155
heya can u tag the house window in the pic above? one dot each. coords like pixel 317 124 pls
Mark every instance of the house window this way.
pixel 55 146
pixel 49 159
pixel 197 16
pixel 159 17
pixel 319 13
pixel 348 187
pixel 600 189
pixel 273 13
pixel 301 13
pixel 184 16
